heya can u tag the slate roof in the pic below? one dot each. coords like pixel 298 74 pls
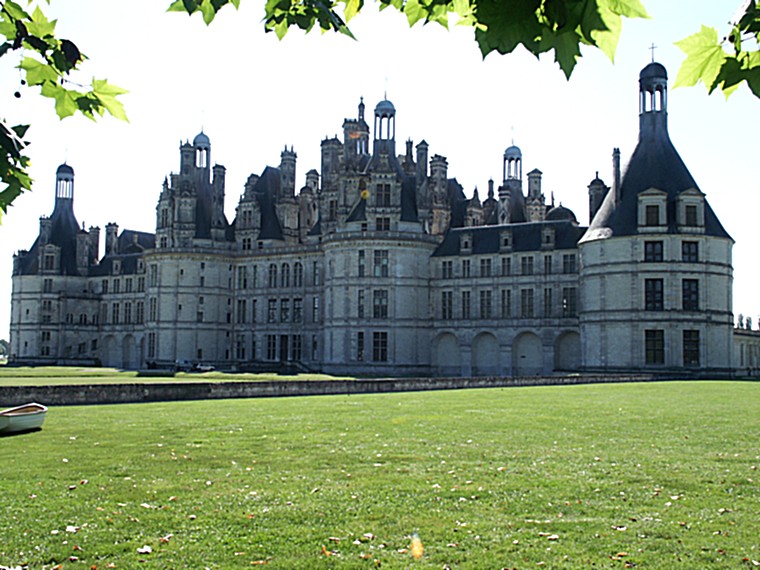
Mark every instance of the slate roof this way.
pixel 525 237
pixel 63 233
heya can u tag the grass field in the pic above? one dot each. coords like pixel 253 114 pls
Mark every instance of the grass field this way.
pixel 660 475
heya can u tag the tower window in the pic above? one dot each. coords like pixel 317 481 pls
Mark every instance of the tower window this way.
pixel 690 294
pixel 690 252
pixel 690 215
pixel 654 347
pixel 652 215
pixel 653 251
pixel 653 295
pixel 691 348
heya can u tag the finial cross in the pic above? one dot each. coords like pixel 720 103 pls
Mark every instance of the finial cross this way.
pixel 652 48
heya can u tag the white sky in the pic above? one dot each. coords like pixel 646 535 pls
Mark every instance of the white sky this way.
pixel 253 94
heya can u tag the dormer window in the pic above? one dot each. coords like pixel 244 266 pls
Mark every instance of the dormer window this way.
pixel 116 267
pixel 690 211
pixel 547 238
pixel 505 241
pixel 652 211
pixel 465 243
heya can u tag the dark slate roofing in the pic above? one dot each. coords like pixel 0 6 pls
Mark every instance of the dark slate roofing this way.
pixel 655 163
pixel 316 229
pixel 266 189
pixel 63 233
pixel 359 213
pixel 458 202
pixel 65 169
pixel 561 213
pixel 131 241
pixel 128 264
pixel 409 199
pixel 525 237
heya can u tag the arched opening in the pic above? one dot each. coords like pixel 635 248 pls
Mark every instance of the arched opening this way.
pixel 447 360
pixel 567 352
pixel 128 353
pixel 485 355
pixel 527 355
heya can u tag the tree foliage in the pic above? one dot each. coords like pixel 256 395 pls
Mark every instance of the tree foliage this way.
pixel 46 62
pixel 708 62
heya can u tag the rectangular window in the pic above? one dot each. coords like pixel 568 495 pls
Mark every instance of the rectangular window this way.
pixel 49 262
pixel 315 310
pixel 383 195
pixel 380 263
pixel 104 286
pixel 547 265
pixel 141 284
pixel 569 302
pixel 272 275
pixel 297 310
pixel 297 344
pixel 653 251
pixel 332 212
pixel 242 309
pixel 128 312
pixel 526 265
pixel 242 277
pixel 362 267
pixel 506 303
pixel 253 311
pixel 653 295
pixel 465 268
pixel 485 304
pixel 315 273
pixel 654 347
pixel 271 347
pixel 526 303
pixel 284 310
pixel 380 304
pixel 360 346
pixel 152 309
pixel 272 310
pixel 569 263
pixel 153 275
pixel 485 267
pixel 690 212
pixel 360 304
pixel 690 348
pixel 506 266
pixel 298 274
pixel 447 305
pixel 447 269
pixel 547 302
pixel 115 311
pixel 47 286
pixel 690 252
pixel 151 345
pixel 652 215
pixel 382 224
pixel 380 346
pixel 465 304
pixel 199 317
pixel 116 285
pixel 690 294
pixel 128 285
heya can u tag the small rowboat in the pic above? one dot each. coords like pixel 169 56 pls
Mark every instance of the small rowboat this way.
pixel 22 418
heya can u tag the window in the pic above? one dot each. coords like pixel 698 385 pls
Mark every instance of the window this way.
pixel 241 310
pixel 116 285
pixel 284 310
pixel 690 214
pixel 141 284
pixel 362 263
pixel 506 303
pixel 569 302
pixel 381 263
pixel 253 311
pixel 128 312
pixel 447 305
pixel 297 310
pixel 140 312
pixel 653 251
pixel 485 304
pixel 465 304
pixel 151 345
pixel 298 274
pixel 690 348
pixel 104 286
pixel 271 347
pixel 315 273
pixel 199 317
pixel 383 195
pixel 485 267
pixel 547 302
pixel 380 346
pixel 382 224
pixel 569 263
pixel 240 347
pixel 360 304
pixel 360 346
pixel 272 310
pixel 447 269
pixel 153 275
pixel 652 215
pixel 690 294
pixel 115 312
pixel 242 278
pixel 47 286
pixel 465 268
pixel 128 285
pixel 653 295
pixel 690 252
pixel 547 265
pixel 49 262
pixel 380 304
pixel 526 303
pixel 285 275
pixel 506 266
pixel 152 309
pixel 332 211
pixel 272 275
pixel 315 309
pixel 297 344
pixel 526 265
pixel 654 347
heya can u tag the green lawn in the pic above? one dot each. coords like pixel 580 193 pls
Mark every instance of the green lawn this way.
pixel 660 475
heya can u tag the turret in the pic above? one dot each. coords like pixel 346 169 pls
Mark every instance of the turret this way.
pixel 288 174
pixel 385 128
pixel 422 161
pixel 112 234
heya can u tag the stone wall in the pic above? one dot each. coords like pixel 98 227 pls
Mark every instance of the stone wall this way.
pixel 71 395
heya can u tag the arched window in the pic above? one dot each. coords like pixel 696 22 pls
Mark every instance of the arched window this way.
pixel 298 274
pixel 285 276
pixel 273 275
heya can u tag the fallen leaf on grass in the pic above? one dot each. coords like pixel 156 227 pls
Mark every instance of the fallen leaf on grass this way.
pixel 165 538
pixel 417 549
pixel 256 562
pixel 145 550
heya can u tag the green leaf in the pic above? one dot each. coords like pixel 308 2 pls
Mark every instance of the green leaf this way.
pixel 567 51
pixel 65 102
pixel 208 11
pixel 627 8
pixel 704 58
pixel 106 94
pixel 37 72
pixel 39 25
pixel 352 8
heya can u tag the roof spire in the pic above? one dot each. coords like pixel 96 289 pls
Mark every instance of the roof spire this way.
pixel 652 48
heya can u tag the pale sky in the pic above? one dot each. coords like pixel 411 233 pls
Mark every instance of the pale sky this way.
pixel 252 95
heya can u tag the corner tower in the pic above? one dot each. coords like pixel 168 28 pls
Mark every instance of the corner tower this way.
pixel 656 270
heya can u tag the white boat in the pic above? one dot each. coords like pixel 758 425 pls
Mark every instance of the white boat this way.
pixel 22 418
